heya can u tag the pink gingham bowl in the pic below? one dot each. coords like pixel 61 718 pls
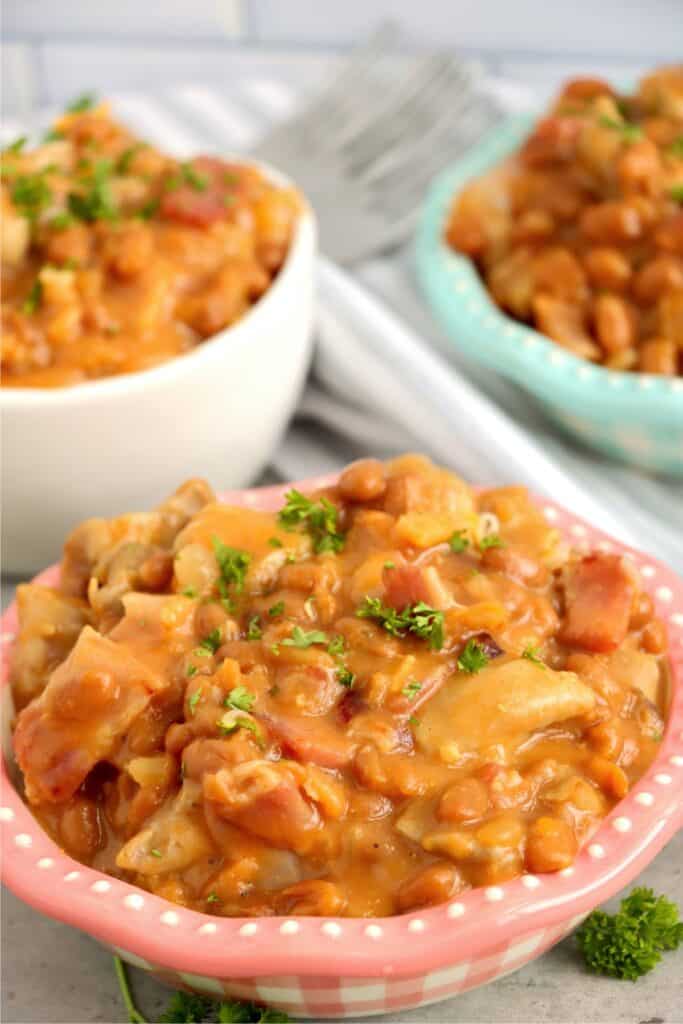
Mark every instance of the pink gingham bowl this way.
pixel 337 967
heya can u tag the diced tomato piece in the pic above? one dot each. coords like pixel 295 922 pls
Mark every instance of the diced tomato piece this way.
pixel 599 595
pixel 209 196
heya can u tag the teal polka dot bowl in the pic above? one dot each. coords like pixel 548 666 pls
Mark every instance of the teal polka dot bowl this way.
pixel 634 417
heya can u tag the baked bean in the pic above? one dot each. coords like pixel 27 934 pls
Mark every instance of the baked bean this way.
pixel 504 830
pixel 607 268
pixel 642 611
pixel 156 571
pixel 312 897
pixel 656 277
pixel 612 222
pixel 609 776
pixel 363 481
pixel 208 617
pixel 550 846
pixel 465 800
pixel 557 272
pixel 669 235
pixel 565 323
pixel 532 226
pixel 431 886
pixel 670 310
pixel 614 323
pixel 653 638
pixel 639 168
pixel 658 355
pixel 582 89
pixel 80 829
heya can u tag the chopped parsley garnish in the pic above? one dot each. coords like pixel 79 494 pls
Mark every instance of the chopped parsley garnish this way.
pixel 191 671
pixel 629 132
pixel 232 565
pixel 389 565
pixel 336 645
pixel 31 194
pixel 16 146
pixel 345 677
pixel 458 542
pixel 189 592
pixel 414 721
pixel 630 943
pixel 254 631
pixel 412 689
pixel 676 193
pixel 194 700
pixel 418 619
pixel 317 518
pixel 53 135
pixel 147 211
pixel 676 147
pixel 240 698
pixel 532 653
pixel 473 658
pixel 213 897
pixel 95 201
pixel 491 540
pixel 229 724
pixel 33 299
pixel 210 643
pixel 156 853
pixel 275 542
pixel 193 178
pixel 303 639
pixel 86 101
pixel 125 160
pixel 62 220
pixel 276 609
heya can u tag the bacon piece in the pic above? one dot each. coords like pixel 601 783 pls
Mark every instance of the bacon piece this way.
pixel 311 739
pixel 598 597
pixel 408 584
pixel 81 716
pixel 553 140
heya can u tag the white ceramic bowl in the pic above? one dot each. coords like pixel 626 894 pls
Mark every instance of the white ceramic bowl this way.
pixel 124 442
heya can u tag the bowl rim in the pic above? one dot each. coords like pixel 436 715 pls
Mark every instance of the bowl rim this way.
pixel 477 922
pixel 125 384
pixel 475 323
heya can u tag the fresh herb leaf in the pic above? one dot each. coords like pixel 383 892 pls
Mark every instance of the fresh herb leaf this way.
pixel 191 671
pixel 345 677
pixel 210 643
pixel 95 201
pixel 629 132
pixel 193 178
pixel 532 653
pixel 232 564
pixel 676 193
pixel 676 147
pixel 16 146
pixel 148 209
pixel 473 658
pixel 213 897
pixel 62 220
pixel 189 592
pixel 86 101
pixel 33 299
pixel 491 540
pixel 414 721
pixel 241 698
pixel 318 518
pixel 194 700
pixel 53 135
pixel 229 724
pixel 412 689
pixel 418 619
pixel 31 194
pixel 275 542
pixel 336 645
pixel 125 160
pixel 389 565
pixel 629 943
pixel 458 542
pixel 276 609
pixel 254 631
pixel 156 853
pixel 301 638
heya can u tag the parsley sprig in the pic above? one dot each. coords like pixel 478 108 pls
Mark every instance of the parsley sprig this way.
pixel 629 132
pixel 95 200
pixel 303 639
pixel 318 518
pixel 630 943
pixel 232 565
pixel 473 658
pixel 240 698
pixel 418 619
pixel 188 1008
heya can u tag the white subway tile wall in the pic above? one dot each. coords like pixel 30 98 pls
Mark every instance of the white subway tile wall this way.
pixel 52 50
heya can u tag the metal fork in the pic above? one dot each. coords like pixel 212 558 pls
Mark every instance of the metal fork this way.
pixel 365 148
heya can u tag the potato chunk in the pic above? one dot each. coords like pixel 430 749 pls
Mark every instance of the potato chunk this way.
pixel 502 703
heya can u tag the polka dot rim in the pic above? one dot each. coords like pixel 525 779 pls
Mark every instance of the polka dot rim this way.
pixel 493 893
pixel 289 928
pixel 6 814
pixel 170 918
pixel 644 799
pixel 596 851
pixel 134 901
pixel 23 840
pixel 663 779
pixel 373 931
pixel 530 881
pixel 72 876
pixel 332 929
pixel 208 929
pixel 45 863
pixel 456 910
pixel 100 886
pixel 622 824
pixel 248 929
pixel 417 926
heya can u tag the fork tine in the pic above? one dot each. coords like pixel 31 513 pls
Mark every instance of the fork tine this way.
pixel 413 122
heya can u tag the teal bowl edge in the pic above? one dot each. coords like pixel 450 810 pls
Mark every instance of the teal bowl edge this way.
pixel 567 385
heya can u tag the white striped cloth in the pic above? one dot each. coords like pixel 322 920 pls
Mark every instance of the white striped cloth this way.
pixel 386 383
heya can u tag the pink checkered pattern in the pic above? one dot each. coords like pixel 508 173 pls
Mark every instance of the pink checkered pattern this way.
pixel 334 997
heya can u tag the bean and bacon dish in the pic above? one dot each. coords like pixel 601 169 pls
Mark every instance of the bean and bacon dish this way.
pixel 118 257
pixel 580 234
pixel 382 695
